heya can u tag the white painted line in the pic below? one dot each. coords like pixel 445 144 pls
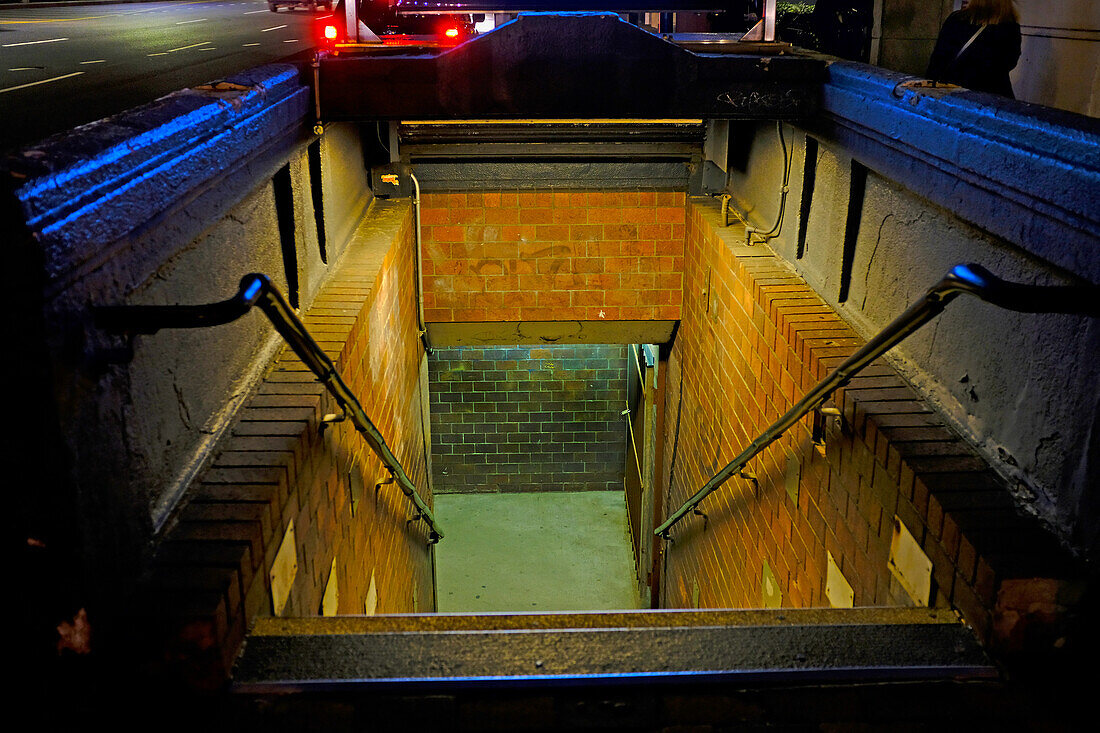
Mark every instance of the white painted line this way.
pixel 44 81
pixel 25 68
pixel 31 43
pixel 185 22
pixel 273 28
pixel 97 61
pixel 246 45
pixel 159 53
pixel 291 40
pixel 250 12
pixel 184 48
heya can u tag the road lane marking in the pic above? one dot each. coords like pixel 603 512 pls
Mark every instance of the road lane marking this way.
pixel 50 20
pixel 196 20
pixel 246 45
pixel 184 48
pixel 250 12
pixel 97 61
pixel 31 43
pixel 44 81
pixel 158 53
pixel 26 68
pixel 273 28
pixel 291 40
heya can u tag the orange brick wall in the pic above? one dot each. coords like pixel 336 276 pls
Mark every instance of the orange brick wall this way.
pixel 749 345
pixel 552 255
pixel 212 571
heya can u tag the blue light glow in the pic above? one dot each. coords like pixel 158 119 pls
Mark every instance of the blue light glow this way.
pixel 254 288
pixel 162 135
pixel 963 272
pixel 185 154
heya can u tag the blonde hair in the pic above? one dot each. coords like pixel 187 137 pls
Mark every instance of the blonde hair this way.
pixel 991 11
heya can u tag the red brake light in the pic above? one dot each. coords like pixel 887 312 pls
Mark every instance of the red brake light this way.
pixel 451 33
pixel 330 32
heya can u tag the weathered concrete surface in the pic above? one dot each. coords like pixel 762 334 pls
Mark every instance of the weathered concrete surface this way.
pixel 83 191
pixel 1024 173
pixel 951 182
pixel 346 185
pixel 168 203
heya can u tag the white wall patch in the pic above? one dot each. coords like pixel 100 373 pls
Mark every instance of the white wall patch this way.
pixel 837 589
pixel 331 601
pixel 370 605
pixel 284 571
pixel 910 565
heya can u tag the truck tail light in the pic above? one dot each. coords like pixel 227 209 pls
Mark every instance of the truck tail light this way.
pixel 451 33
pixel 330 33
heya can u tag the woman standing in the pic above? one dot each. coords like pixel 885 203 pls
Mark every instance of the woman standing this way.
pixel 978 46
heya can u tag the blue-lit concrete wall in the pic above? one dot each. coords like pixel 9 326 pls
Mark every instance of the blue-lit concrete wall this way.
pixel 170 203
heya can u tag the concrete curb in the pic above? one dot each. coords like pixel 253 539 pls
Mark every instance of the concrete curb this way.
pixel 84 189
pixel 1023 172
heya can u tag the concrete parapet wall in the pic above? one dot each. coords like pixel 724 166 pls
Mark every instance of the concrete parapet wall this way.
pixel 169 203
pixel 900 186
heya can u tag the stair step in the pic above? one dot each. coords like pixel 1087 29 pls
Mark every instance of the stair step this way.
pixel 437 652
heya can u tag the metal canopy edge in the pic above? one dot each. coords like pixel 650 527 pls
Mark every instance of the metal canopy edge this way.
pixel 570 65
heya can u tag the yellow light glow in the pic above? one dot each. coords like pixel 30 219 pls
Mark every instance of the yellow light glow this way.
pixel 330 32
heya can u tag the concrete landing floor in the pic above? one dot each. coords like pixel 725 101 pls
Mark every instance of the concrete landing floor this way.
pixel 548 551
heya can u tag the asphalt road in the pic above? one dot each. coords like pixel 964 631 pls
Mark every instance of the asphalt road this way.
pixel 66 66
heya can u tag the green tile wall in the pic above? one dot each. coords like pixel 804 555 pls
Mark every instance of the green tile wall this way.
pixel 528 418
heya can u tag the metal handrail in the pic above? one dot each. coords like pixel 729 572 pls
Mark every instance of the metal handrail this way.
pixel 964 278
pixel 257 290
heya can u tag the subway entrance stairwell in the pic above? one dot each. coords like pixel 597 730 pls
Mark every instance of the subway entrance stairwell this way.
pixel 769 345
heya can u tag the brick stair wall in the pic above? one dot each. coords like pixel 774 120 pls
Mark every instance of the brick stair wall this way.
pixel 552 255
pixel 211 573
pixel 753 339
pixel 528 418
